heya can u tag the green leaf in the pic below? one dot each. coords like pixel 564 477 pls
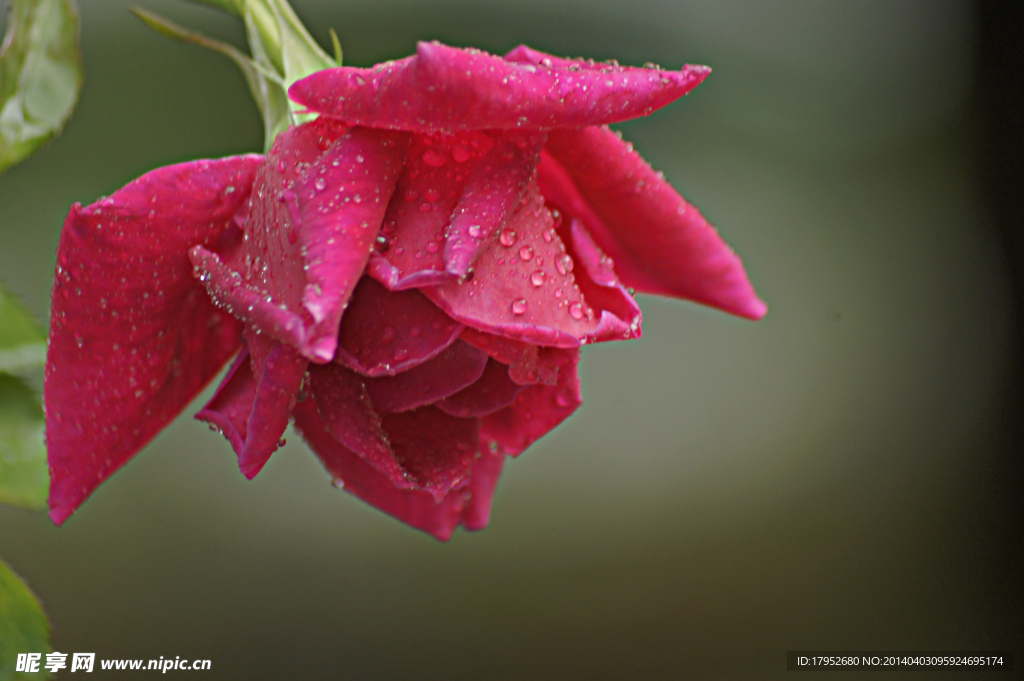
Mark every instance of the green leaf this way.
pixel 22 340
pixel 40 75
pixel 23 627
pixel 24 477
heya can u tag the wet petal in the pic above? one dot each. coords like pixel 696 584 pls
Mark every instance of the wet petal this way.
pixel 231 405
pixel 660 243
pixel 491 195
pixel 537 409
pixel 438 450
pixel 317 206
pixel 386 332
pixel 526 366
pixel 347 414
pixel 455 368
pixel 619 315
pixel 469 505
pixel 492 391
pixel 338 206
pixel 410 251
pixel 280 376
pixel 523 286
pixel 444 88
pixel 133 338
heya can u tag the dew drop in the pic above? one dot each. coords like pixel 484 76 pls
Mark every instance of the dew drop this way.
pixel 320 184
pixel 576 310
pixel 564 263
pixel 431 194
pixel 563 399
pixel 401 354
pixel 410 195
pixel 415 332
pixel 359 158
pixel 382 244
pixel 475 231
pixel 526 253
pixel 519 306
pixel 431 247
pixel 537 278
pixel 432 157
pixel 507 238
pixel 460 153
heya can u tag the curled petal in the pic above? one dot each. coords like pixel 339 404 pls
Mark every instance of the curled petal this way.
pixel 492 391
pixel 410 252
pixel 338 206
pixel 491 195
pixel 231 406
pixel 455 368
pixel 468 505
pixel 620 316
pixel 437 449
pixel 523 287
pixel 538 409
pixel 660 243
pixel 280 375
pixel 347 414
pixel 444 88
pixel 386 332
pixel 319 200
pixel 228 291
pixel 133 338
pixel 526 365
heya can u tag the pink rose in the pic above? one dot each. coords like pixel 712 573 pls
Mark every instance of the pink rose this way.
pixel 409 278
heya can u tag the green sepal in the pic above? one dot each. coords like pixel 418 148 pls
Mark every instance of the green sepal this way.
pixel 230 6
pixel 40 75
pixel 23 627
pixel 24 477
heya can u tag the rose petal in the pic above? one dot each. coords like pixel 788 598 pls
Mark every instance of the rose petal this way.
pixel 346 412
pixel 491 195
pixel 620 316
pixel 438 450
pixel 455 368
pixel 231 405
pixel 444 88
pixel 338 206
pixel 228 291
pixel 280 376
pixel 537 409
pixel 492 391
pixel 410 253
pixel 385 332
pixel 660 243
pixel 133 338
pixel 470 505
pixel 525 365
pixel 523 287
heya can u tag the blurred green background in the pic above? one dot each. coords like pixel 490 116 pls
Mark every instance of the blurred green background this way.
pixel 827 478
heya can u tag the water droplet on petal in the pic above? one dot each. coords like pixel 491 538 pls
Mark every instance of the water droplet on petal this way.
pixel 537 278
pixel 563 399
pixel 526 253
pixel 460 153
pixel 431 194
pixel 475 231
pixel 411 194
pixel 507 238
pixel 432 157
pixel 564 264
pixel 576 310
pixel 401 354
pixel 519 306
pixel 432 247
pixel 320 184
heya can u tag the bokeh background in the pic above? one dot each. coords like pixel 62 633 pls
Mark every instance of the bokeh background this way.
pixel 836 476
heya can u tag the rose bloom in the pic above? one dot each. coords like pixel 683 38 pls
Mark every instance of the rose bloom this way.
pixel 408 278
